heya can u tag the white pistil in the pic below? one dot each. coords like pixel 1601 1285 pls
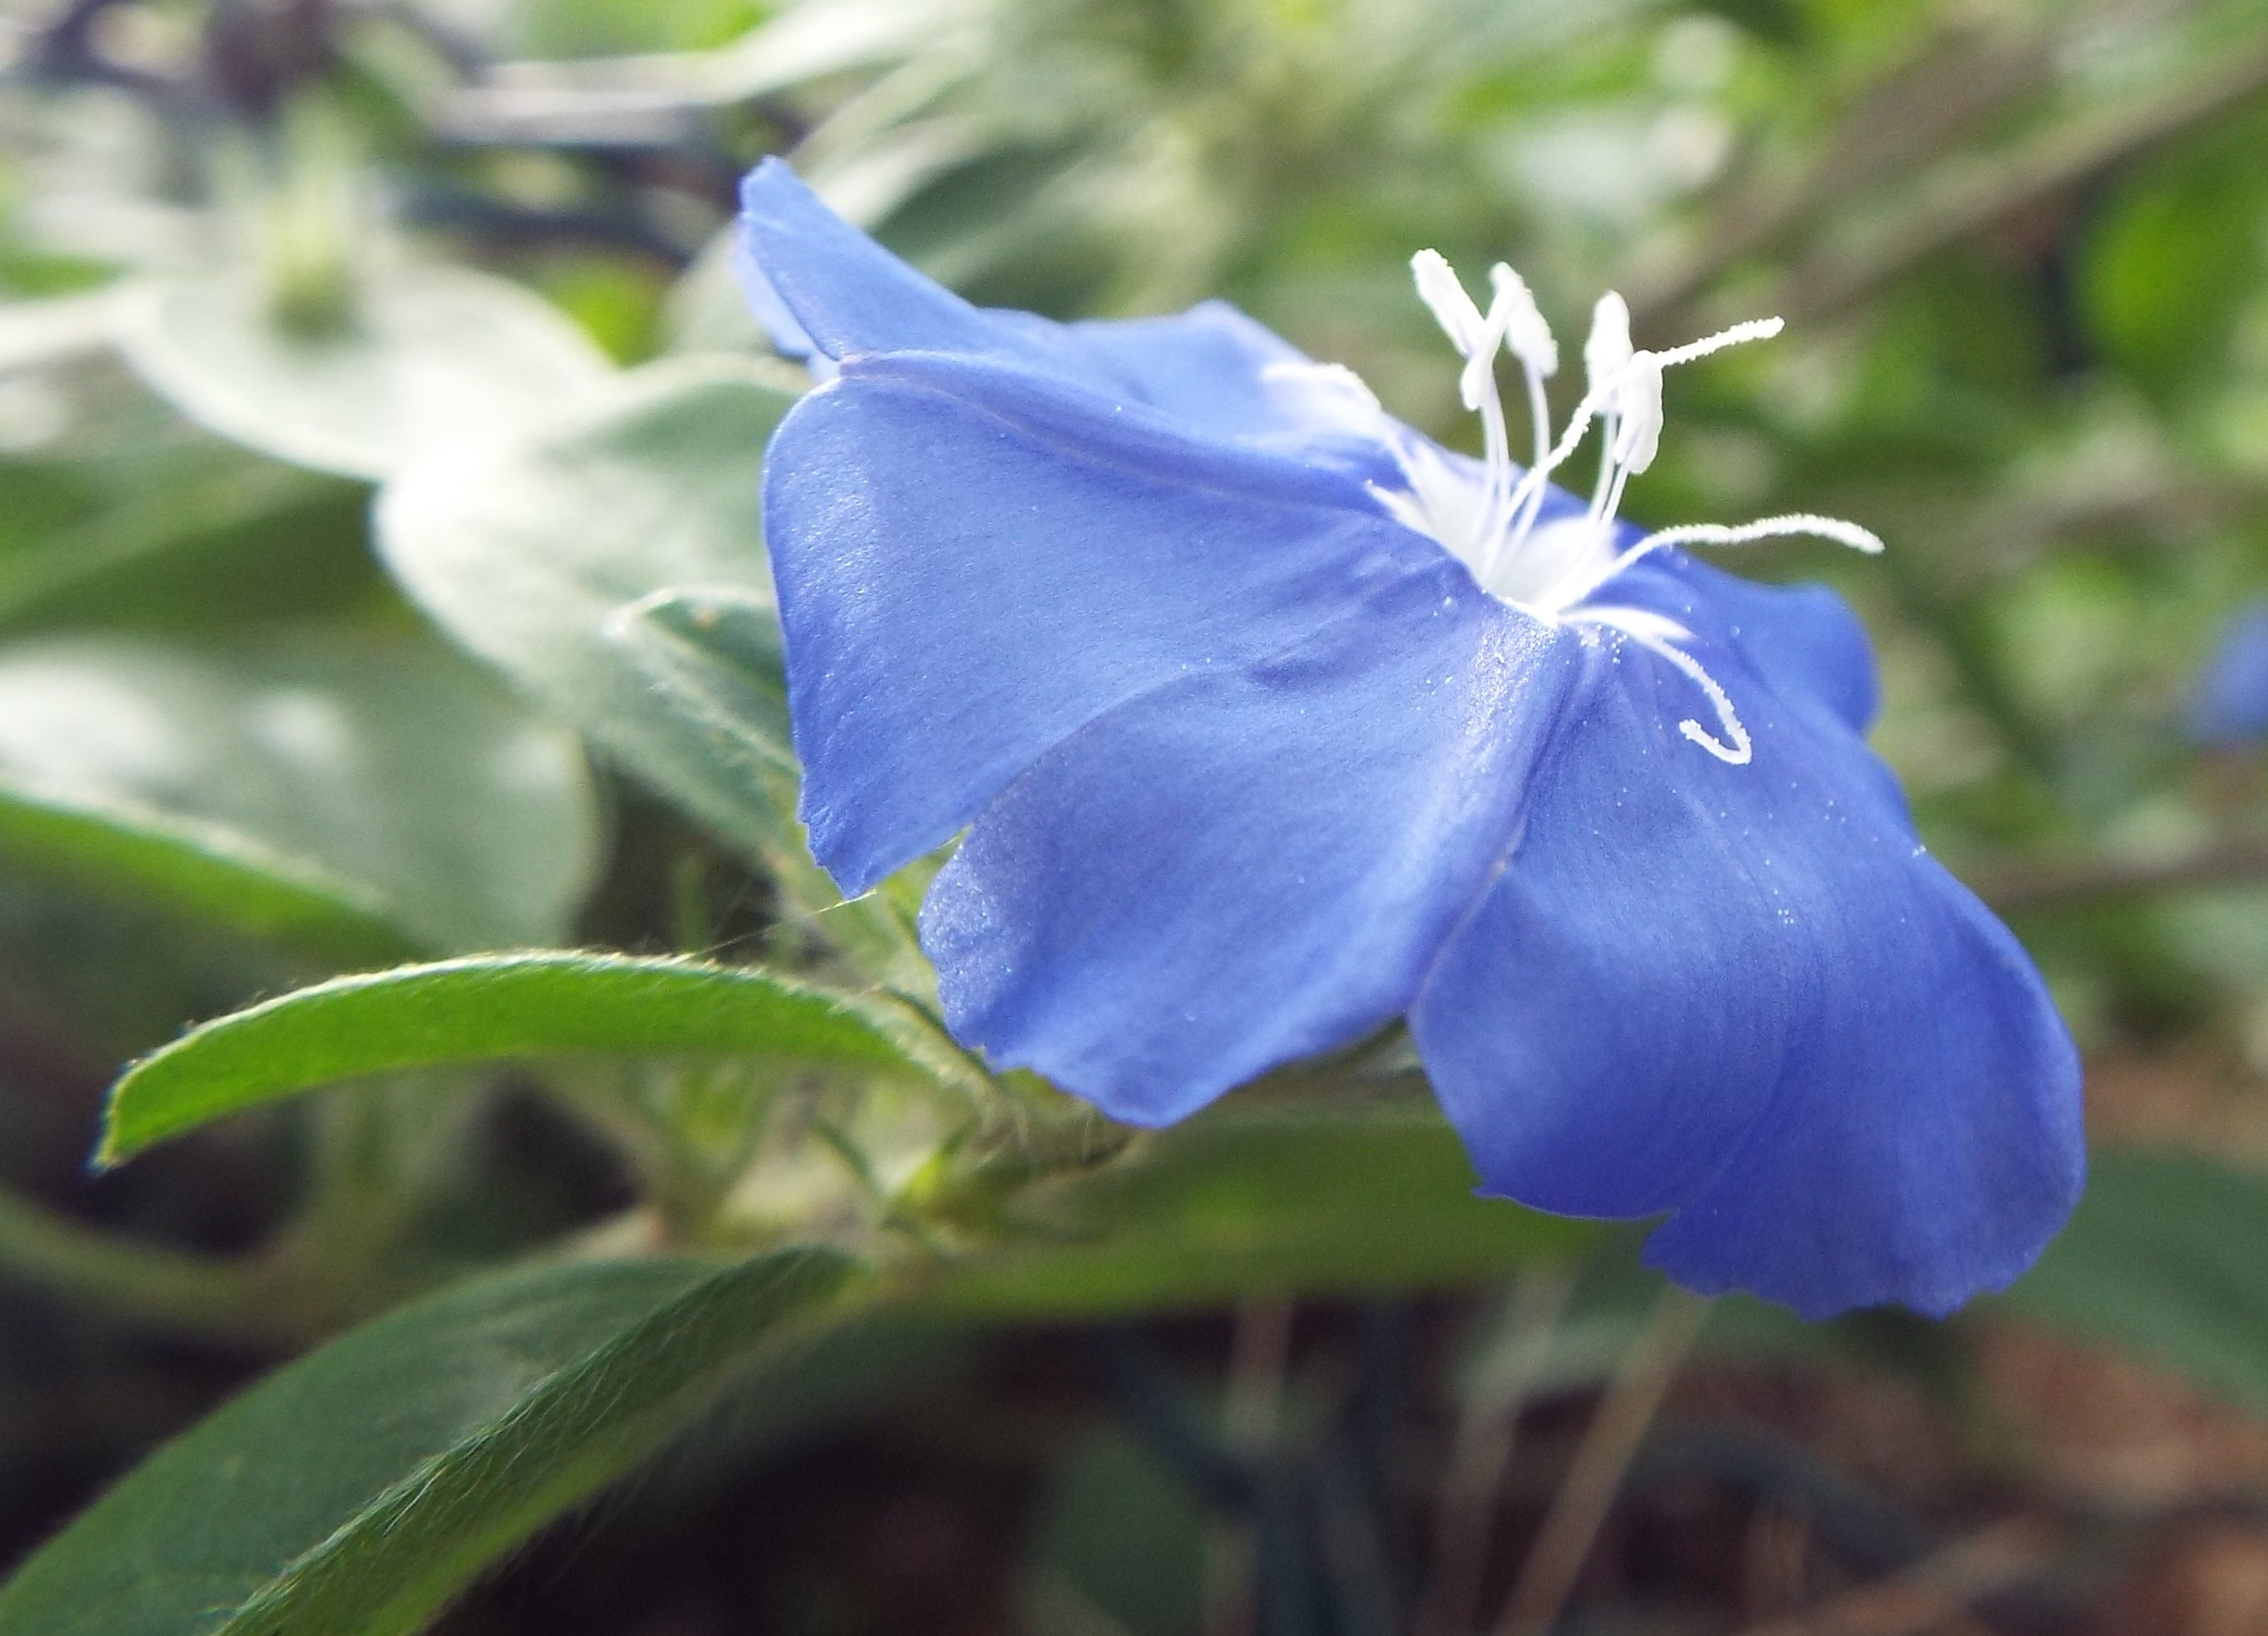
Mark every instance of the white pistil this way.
pixel 1554 571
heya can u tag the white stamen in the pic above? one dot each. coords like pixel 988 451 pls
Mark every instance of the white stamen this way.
pixel 1659 636
pixel 1445 299
pixel 1832 528
pixel 1514 315
pixel 1529 337
pixel 1738 334
pixel 1476 381
pixel 1491 524
pixel 1607 352
pixel 1637 404
pixel 1609 347
pixel 1795 524
pixel 1740 752
pixel 1603 396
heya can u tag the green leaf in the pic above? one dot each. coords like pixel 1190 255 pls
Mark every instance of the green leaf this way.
pixel 525 552
pixel 514 1006
pixel 612 568
pixel 186 532
pixel 368 802
pixel 791 47
pixel 204 871
pixel 435 357
pixel 355 1491
pixel 717 657
pixel 1232 1203
pixel 2163 1258
pixel 2196 206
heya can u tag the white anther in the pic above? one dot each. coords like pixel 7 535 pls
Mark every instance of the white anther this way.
pixel 1609 349
pixel 1445 297
pixel 1525 332
pixel 1596 401
pixel 1636 403
pixel 1553 570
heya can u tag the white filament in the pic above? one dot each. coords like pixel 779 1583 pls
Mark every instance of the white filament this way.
pixel 1660 636
pixel 1794 524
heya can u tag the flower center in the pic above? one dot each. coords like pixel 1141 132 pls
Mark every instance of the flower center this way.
pixel 1490 515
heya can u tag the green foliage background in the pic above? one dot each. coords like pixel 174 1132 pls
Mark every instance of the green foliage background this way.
pixel 388 685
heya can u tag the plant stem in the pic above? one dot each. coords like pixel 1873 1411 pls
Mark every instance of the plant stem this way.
pixel 2070 883
pixel 1481 1453
pixel 1933 1593
pixel 256 1299
pixel 1964 199
pixel 1579 1508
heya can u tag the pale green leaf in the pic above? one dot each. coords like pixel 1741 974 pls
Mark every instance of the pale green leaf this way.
pixel 554 558
pixel 434 357
pixel 2163 1258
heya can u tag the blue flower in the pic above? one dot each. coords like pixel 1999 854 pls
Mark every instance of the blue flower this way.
pixel 2230 708
pixel 1269 723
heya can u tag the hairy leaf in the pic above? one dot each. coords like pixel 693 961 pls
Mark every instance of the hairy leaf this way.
pixel 355 1491
pixel 488 1008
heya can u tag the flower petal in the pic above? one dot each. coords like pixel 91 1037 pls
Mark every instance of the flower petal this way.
pixel 1745 993
pixel 974 562
pixel 826 291
pixel 1248 866
pixel 789 338
pixel 1206 367
pixel 843 295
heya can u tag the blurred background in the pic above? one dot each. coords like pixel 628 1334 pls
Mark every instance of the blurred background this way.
pixel 2022 250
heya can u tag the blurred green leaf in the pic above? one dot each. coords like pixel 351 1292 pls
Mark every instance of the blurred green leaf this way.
pixel 689 50
pixel 1232 1203
pixel 2148 295
pixel 357 1490
pixel 573 28
pixel 525 552
pixel 515 1006
pixel 205 871
pixel 435 357
pixel 366 802
pixel 614 569
pixel 1779 21
pixel 1121 1539
pixel 193 536
pixel 717 657
pixel 2163 1258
